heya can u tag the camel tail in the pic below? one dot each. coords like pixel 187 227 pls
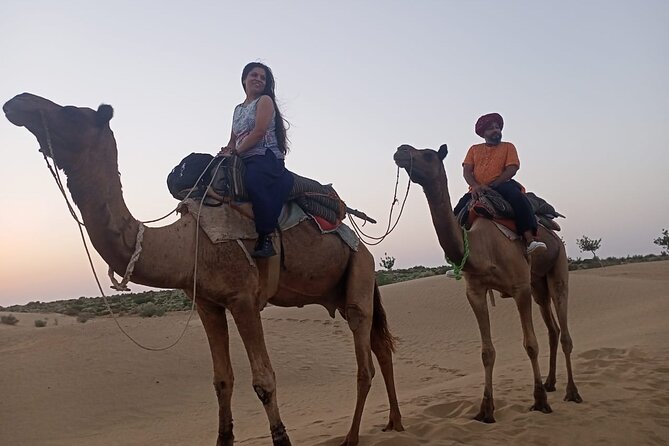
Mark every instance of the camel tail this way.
pixel 380 332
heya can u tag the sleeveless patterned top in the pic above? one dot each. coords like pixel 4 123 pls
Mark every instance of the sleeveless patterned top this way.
pixel 244 120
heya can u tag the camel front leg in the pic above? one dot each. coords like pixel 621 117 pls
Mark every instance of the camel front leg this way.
pixel 523 300
pixel 542 298
pixel 247 318
pixel 216 327
pixel 477 300
pixel 560 295
pixel 360 323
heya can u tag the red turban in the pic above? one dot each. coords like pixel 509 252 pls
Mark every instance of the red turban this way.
pixel 485 120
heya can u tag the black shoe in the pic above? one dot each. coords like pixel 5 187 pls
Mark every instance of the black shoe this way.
pixel 264 247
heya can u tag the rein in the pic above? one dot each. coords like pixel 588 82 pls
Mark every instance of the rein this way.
pixel 391 226
pixel 122 286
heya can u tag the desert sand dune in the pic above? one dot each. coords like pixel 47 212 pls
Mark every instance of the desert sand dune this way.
pixel 85 384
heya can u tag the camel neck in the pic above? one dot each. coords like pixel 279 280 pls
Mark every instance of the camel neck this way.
pixel 95 186
pixel 449 232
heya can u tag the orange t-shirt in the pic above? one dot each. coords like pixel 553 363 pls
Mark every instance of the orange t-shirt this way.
pixel 490 161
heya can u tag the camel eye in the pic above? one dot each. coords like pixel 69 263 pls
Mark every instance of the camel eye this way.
pixel 72 113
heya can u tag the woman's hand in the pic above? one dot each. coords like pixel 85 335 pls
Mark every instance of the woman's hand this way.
pixel 226 151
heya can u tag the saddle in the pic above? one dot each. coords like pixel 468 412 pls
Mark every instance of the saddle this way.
pixel 493 206
pixel 226 180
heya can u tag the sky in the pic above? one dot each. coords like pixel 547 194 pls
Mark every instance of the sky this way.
pixel 582 87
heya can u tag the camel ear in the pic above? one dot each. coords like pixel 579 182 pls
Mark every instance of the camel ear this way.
pixel 104 114
pixel 443 151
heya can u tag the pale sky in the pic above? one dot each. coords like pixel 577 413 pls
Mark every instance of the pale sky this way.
pixel 582 86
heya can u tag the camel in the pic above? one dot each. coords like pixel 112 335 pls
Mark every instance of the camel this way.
pixel 495 263
pixel 317 269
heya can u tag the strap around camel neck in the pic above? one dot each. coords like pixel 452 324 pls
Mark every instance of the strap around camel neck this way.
pixel 457 268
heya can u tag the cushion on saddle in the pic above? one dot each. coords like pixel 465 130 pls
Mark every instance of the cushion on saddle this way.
pixel 493 206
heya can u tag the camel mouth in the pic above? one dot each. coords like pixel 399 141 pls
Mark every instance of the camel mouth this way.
pixel 402 157
pixel 14 116
pixel 24 109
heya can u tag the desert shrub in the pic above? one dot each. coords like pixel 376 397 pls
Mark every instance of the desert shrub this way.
pixel 9 320
pixel 84 316
pixel 150 309
pixel 40 323
pixel 71 311
pixel 141 298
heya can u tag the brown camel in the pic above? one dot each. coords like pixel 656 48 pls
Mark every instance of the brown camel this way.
pixel 318 269
pixel 495 263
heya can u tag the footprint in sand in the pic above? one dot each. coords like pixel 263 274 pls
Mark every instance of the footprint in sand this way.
pixel 449 410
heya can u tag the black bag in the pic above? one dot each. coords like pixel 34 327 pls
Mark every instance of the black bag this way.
pixel 192 175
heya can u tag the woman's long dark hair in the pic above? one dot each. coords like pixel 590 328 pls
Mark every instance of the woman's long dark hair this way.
pixel 280 123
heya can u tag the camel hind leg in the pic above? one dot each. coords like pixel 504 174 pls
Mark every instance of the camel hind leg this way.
pixel 383 346
pixel 542 298
pixel 359 309
pixel 558 285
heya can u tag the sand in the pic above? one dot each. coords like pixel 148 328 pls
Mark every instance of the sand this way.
pixel 86 384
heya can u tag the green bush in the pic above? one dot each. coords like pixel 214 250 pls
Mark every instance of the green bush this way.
pixel 84 316
pixel 9 320
pixel 150 309
pixel 39 323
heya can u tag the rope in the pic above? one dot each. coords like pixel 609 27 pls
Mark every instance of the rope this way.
pixel 135 256
pixel 123 285
pixel 391 226
pixel 457 268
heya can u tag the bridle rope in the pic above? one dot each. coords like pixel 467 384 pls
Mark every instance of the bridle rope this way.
pixel 371 240
pixel 122 286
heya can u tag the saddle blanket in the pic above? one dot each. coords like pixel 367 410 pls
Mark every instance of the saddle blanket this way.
pixel 224 222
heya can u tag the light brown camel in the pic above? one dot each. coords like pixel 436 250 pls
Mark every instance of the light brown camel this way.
pixel 318 269
pixel 495 263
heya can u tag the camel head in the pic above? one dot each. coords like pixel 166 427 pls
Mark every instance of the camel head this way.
pixel 73 131
pixel 424 166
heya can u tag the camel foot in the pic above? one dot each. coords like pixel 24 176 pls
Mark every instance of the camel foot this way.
pixel 572 394
pixel 280 436
pixel 485 414
pixel 541 400
pixel 542 407
pixel 549 385
pixel 225 438
pixel 394 425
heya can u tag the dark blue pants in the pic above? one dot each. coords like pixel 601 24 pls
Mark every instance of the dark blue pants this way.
pixel 513 193
pixel 268 184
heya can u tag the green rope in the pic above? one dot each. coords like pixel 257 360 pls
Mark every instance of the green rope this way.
pixel 457 269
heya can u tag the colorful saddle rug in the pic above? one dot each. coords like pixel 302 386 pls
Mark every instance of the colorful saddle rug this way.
pixel 493 206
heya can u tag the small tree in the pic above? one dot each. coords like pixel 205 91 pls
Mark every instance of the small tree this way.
pixel 663 242
pixel 387 262
pixel 590 245
pixel 39 323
